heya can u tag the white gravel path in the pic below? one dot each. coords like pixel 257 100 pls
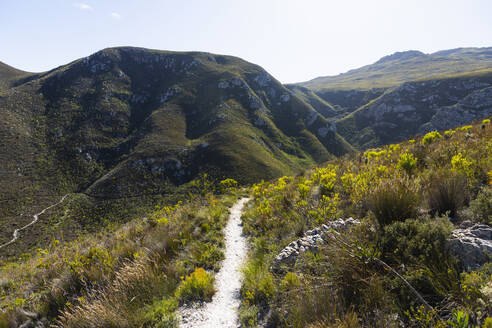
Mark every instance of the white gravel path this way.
pixel 222 310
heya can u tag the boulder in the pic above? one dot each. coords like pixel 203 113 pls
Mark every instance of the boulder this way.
pixel 310 242
pixel 471 244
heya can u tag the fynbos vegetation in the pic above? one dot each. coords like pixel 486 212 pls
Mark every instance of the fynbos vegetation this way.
pixel 151 148
pixel 393 269
pixel 135 275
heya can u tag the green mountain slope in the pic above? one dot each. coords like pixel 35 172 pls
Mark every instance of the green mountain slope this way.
pixel 9 74
pixel 406 66
pixel 127 122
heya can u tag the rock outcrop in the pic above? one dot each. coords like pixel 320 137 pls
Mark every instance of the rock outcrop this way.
pixel 310 242
pixel 471 244
pixel 422 106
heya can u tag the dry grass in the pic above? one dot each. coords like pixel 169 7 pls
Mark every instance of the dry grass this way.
pixel 115 278
pixel 116 305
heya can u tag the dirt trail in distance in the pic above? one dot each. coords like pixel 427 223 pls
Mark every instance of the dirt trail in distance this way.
pixel 36 218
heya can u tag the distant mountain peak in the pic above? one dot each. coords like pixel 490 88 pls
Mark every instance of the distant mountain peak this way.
pixel 401 55
pixel 404 66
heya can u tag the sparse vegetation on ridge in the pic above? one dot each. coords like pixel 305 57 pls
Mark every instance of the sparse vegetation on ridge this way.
pixel 408 196
pixel 407 66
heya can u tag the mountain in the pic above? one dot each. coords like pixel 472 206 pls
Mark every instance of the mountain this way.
pixel 405 66
pixel 125 126
pixel 9 74
pixel 126 122
pixel 404 94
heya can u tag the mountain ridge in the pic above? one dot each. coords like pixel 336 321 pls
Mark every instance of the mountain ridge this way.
pixel 131 122
pixel 412 65
pixel 126 122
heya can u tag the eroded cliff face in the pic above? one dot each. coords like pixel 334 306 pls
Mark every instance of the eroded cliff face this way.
pixel 417 108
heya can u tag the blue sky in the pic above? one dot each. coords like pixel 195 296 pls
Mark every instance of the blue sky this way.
pixel 293 40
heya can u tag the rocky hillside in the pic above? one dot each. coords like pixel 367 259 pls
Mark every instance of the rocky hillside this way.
pixel 127 122
pixel 134 112
pixel 404 94
pixel 417 108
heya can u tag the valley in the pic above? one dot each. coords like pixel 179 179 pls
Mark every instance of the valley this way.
pixel 151 188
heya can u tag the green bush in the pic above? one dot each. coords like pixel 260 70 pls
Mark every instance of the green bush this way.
pixel 419 246
pixel 393 201
pixel 248 317
pixel 161 314
pixel 258 285
pixel 198 286
pixel 481 207
pixel 416 242
pixel 407 162
pixel 460 320
pixel 447 193
pixel 290 281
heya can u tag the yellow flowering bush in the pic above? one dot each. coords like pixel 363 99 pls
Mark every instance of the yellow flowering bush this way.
pixel 196 286
pixel 407 162
pixel 461 164
pixel 431 137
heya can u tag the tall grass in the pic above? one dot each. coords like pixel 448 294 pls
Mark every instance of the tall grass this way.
pixel 133 286
pixel 122 278
pixel 447 193
pixel 394 200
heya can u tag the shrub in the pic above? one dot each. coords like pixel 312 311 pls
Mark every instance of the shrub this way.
pixel 460 320
pixel 228 185
pixel 481 207
pixel 290 281
pixel 207 255
pixel 465 128
pixel 449 133
pixel 447 193
pixel 407 162
pixel 393 201
pixel 375 154
pixel 258 286
pixel 461 164
pixel 431 137
pixel 477 288
pixel 161 314
pixel 198 286
pixel 416 241
pixel 249 316
pixel 420 247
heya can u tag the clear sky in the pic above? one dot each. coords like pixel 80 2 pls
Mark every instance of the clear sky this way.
pixel 293 40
